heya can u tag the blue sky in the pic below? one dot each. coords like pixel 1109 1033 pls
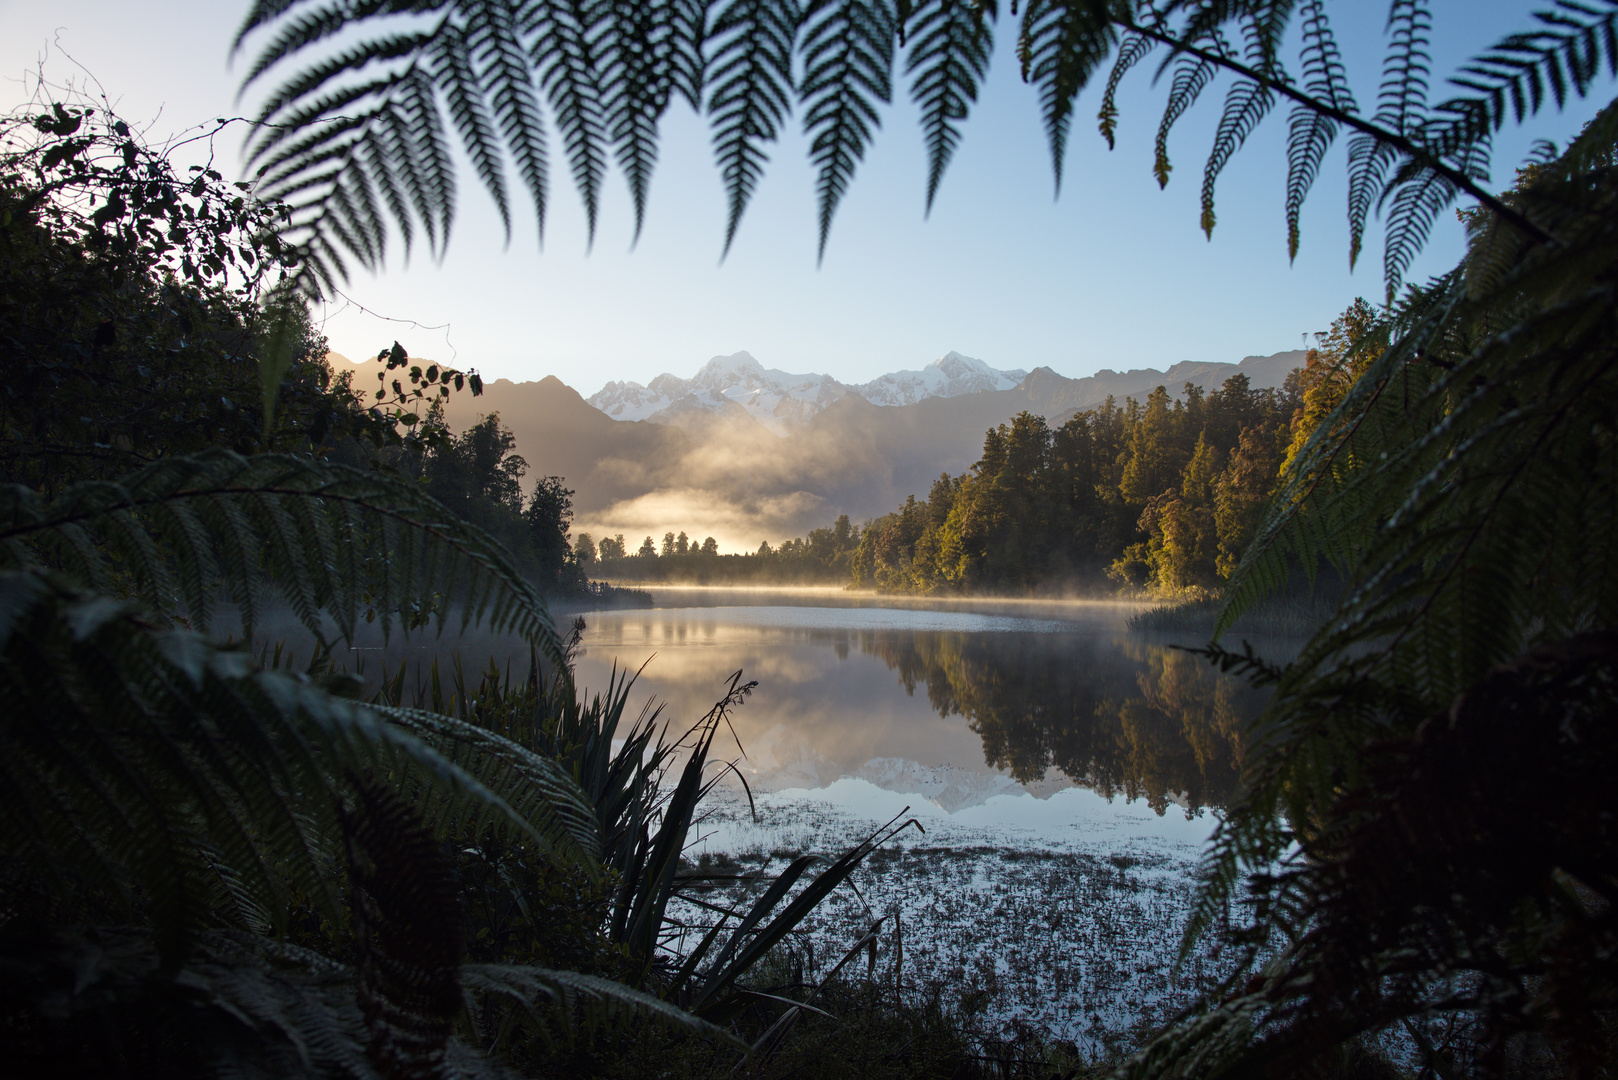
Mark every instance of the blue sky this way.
pixel 1114 274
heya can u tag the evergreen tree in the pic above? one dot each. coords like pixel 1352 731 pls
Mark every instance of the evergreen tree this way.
pixel 550 518
pixel 584 550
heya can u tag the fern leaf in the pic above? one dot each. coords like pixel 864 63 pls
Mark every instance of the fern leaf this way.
pixel 536 788
pixel 848 69
pixel 1401 108
pixel 571 989
pixel 1416 203
pixel 494 37
pixel 1575 41
pixel 648 53
pixel 389 137
pixel 228 518
pixel 564 50
pixel 1246 105
pixel 302 30
pixel 1192 74
pixel 751 86
pixel 951 42
pixel 1061 46
pixel 142 760
pixel 457 77
pixel 1134 49
pixel 1311 133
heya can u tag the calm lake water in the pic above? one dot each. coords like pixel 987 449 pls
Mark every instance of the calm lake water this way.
pixel 963 701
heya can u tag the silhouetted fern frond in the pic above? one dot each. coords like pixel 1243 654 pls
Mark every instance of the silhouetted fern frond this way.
pixel 168 775
pixel 648 54
pixel 1134 49
pixel 1192 75
pixel 1576 40
pixel 357 137
pixel 336 543
pixel 1246 105
pixel 1061 46
pixel 536 788
pixel 848 68
pixel 950 42
pixel 567 68
pixel 1311 133
pixel 750 69
pixel 1463 489
pixel 1401 108
pixel 494 34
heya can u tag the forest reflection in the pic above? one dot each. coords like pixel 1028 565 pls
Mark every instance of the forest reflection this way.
pixel 1116 715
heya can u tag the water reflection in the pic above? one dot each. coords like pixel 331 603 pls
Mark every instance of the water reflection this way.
pixel 983 695
pixel 1119 716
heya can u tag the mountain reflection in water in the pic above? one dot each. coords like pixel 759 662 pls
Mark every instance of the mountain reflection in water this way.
pixel 1118 716
pixel 1047 697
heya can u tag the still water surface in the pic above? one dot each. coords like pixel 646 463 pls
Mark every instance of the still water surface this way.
pixel 961 701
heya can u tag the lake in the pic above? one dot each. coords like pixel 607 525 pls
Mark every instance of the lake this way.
pixel 1066 772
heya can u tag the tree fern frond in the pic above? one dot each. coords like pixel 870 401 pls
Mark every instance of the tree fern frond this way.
pixel 538 789
pixel 324 177
pixel 1401 108
pixel 1134 49
pixel 1311 133
pixel 1246 105
pixel 1461 488
pixel 951 42
pixel 1402 99
pixel 1061 46
pixel 597 996
pixel 291 108
pixel 1192 74
pixel 1416 202
pixel 229 519
pixel 137 757
pixel 494 38
pixel 1513 78
pixel 647 54
pixel 847 69
pixel 751 44
pixel 565 58
pixel 457 77
pixel 298 32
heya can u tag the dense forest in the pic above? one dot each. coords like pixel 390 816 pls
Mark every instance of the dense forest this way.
pixel 1162 495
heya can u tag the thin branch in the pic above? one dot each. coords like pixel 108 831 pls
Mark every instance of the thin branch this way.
pixel 1366 127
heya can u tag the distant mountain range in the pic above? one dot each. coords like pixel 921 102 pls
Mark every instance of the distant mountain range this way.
pixel 738 386
pixel 744 453
pixel 738 390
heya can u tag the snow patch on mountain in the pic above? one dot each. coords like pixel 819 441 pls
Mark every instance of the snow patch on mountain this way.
pixel 951 375
pixel 783 401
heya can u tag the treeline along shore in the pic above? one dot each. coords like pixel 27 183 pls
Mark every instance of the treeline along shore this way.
pixel 1159 496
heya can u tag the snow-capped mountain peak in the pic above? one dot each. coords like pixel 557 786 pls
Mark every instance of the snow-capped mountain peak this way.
pixel 951 375
pixel 782 400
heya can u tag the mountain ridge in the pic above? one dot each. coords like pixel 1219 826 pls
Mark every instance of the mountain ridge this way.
pixel 738 386
pixel 724 473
